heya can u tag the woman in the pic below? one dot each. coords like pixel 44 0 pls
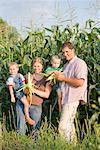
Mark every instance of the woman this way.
pixel 41 91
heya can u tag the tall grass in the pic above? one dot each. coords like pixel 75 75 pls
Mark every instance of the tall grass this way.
pixel 48 138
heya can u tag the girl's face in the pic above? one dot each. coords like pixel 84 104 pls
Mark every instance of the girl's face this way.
pixel 13 69
pixel 37 67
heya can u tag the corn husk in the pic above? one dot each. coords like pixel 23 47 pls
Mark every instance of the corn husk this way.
pixel 28 88
pixel 50 77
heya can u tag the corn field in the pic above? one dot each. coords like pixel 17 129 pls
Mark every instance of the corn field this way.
pixel 44 43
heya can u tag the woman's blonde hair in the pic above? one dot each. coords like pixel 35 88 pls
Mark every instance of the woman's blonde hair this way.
pixel 37 59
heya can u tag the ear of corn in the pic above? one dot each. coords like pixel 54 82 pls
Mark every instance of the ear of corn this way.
pixel 44 74
pixel 28 88
pixel 51 77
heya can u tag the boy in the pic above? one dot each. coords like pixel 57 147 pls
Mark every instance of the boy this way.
pixel 55 63
pixel 14 82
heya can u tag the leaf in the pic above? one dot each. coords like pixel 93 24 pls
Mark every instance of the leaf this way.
pixel 2 86
pixel 48 29
pixel 94 117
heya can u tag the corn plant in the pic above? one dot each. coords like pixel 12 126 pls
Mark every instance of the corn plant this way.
pixel 46 42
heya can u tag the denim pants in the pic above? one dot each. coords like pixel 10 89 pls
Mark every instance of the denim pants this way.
pixel 35 114
pixel 66 124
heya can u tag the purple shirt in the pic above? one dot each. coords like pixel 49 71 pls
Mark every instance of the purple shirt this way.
pixel 75 68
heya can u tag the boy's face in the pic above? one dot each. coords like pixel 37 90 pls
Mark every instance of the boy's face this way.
pixel 55 63
pixel 13 69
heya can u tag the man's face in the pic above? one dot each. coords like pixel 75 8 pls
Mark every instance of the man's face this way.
pixel 68 53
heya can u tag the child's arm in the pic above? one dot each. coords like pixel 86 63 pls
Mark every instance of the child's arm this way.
pixel 10 85
pixel 49 71
pixel 12 94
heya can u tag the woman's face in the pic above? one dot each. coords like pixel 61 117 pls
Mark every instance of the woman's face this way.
pixel 37 67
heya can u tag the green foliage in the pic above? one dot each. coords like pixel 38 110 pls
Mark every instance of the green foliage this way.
pixel 48 138
pixel 91 142
pixel 11 140
pixel 45 43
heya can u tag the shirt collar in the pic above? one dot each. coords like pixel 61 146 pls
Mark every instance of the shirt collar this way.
pixel 72 59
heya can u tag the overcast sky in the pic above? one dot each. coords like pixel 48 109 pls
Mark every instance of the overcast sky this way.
pixel 24 13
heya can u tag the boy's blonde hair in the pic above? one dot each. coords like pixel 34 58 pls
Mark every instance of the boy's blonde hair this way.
pixel 13 64
pixel 55 57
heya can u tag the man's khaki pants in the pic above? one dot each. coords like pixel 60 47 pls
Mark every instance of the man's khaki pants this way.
pixel 66 124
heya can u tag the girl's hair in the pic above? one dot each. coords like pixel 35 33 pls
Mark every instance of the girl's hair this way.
pixel 55 57
pixel 13 64
pixel 37 59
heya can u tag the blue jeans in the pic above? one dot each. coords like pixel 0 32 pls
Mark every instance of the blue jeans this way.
pixel 35 114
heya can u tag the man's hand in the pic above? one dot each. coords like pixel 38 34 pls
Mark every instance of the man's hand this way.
pixel 59 75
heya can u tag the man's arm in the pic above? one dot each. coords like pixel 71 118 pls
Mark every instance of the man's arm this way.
pixel 72 81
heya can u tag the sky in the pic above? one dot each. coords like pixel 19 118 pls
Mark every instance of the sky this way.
pixel 37 13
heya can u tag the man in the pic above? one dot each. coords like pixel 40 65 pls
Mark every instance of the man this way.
pixel 73 88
